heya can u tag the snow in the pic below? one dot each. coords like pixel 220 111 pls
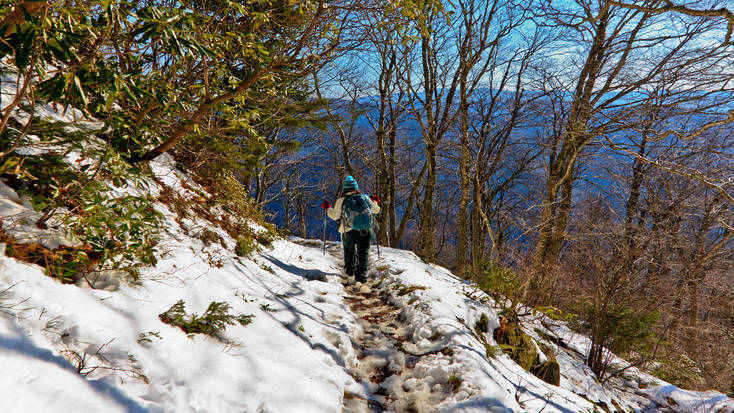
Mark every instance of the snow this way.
pixel 297 356
pixel 19 219
pixel 443 307
pixel 257 368
pixel 71 348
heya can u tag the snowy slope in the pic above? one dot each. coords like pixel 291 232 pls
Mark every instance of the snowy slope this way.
pixel 298 355
pixel 257 368
pixel 404 342
pixel 449 307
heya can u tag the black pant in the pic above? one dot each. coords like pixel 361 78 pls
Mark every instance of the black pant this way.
pixel 356 248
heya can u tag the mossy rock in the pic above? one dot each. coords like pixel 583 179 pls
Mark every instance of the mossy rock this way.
pixel 518 345
pixel 208 237
pixel 521 348
pixel 482 324
pixel 549 372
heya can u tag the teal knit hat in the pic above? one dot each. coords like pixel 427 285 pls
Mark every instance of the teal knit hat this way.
pixel 350 184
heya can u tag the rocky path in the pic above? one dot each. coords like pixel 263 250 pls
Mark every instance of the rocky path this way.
pixel 392 375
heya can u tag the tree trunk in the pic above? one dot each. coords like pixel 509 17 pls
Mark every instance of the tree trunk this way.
pixel 384 86
pixel 382 178
pixel 302 207
pixel 477 245
pixel 462 247
pixel 427 222
pixel 394 241
pixel 562 165
pixel 411 203
pixel 632 207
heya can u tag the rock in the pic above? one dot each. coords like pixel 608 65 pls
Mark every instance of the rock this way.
pixel 420 371
pixel 14 211
pixel 316 276
pixel 8 192
pixel 397 363
pixel 482 324
pixel 520 346
pixel 410 384
pixel 549 372
pixel 524 351
pixel 392 384
pixel 108 280
pixel 26 202
pixel 439 375
pixel 425 332
pixel 423 344
pixel 70 335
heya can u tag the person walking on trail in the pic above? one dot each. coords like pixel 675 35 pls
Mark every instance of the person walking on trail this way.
pixel 355 212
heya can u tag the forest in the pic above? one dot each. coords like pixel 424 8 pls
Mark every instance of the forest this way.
pixel 575 157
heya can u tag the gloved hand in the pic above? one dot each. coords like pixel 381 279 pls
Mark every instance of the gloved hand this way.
pixel 376 198
pixel 325 205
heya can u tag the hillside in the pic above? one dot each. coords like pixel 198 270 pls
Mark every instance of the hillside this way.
pixel 409 340
pixel 554 182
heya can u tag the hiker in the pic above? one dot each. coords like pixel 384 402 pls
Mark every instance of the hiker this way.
pixel 354 211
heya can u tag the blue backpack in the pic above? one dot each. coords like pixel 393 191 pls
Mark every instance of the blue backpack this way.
pixel 357 212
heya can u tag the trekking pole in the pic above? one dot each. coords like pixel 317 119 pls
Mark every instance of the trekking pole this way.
pixel 377 240
pixel 323 236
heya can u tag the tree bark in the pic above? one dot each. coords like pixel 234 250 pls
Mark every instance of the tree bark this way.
pixel 394 240
pixel 426 247
pixel 462 247
pixel 562 165
pixel 478 236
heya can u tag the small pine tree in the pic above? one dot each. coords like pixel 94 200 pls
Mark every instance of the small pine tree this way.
pixel 213 322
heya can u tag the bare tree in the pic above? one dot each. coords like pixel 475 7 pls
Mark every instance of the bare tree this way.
pixel 626 50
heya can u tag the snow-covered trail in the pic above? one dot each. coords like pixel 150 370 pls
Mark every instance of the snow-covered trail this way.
pixel 386 369
pixel 314 345
pixel 406 343
pixel 409 358
pixel 417 351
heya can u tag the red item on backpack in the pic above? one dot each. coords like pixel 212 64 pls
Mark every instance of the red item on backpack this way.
pixel 325 205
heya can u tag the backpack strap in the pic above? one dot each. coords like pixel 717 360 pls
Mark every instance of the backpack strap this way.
pixel 344 199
